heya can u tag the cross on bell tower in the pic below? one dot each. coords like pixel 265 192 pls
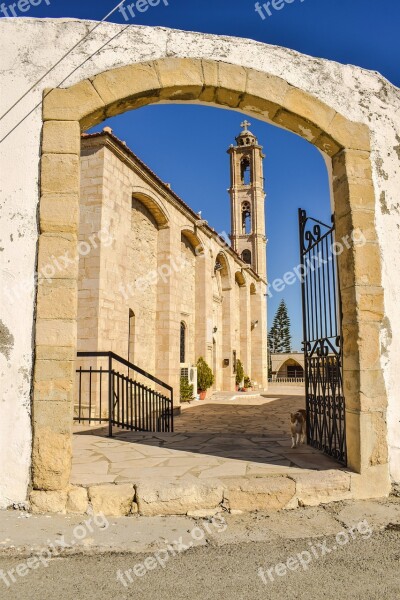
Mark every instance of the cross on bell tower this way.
pixel 248 200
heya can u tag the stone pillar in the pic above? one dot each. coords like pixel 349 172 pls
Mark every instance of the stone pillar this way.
pixel 363 310
pixel 56 330
pixel 228 339
pixel 259 357
pixel 168 316
pixel 204 307
pixel 245 329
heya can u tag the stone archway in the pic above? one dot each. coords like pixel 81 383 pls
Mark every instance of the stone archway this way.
pixel 346 146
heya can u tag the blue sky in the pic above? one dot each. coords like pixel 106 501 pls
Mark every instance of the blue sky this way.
pixel 187 144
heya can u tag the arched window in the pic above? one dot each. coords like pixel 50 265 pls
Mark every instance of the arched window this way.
pixel 246 256
pixel 183 342
pixel 246 218
pixel 245 171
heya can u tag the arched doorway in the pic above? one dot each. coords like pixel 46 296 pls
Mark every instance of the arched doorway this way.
pixel 345 145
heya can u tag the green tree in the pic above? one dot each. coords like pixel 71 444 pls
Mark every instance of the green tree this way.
pixel 205 376
pixel 186 390
pixel 239 372
pixel 279 337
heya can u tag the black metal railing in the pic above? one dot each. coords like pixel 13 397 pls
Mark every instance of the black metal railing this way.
pixel 112 390
pixel 322 338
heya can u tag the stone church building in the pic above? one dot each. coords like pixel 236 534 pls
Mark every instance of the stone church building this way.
pixel 158 285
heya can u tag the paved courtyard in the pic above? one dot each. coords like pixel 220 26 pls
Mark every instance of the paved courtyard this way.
pixel 224 436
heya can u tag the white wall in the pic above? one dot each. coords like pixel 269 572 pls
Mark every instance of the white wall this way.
pixel 28 48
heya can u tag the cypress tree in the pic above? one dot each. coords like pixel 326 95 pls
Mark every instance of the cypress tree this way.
pixel 279 338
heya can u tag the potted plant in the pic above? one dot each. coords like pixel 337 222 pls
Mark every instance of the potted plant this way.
pixel 186 390
pixel 205 377
pixel 239 375
pixel 247 383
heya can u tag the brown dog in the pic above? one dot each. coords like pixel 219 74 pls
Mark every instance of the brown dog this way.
pixel 298 427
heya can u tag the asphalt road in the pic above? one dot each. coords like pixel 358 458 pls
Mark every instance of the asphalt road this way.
pixel 364 568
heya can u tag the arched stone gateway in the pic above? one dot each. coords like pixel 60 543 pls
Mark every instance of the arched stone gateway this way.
pixel 272 84
pixel 288 365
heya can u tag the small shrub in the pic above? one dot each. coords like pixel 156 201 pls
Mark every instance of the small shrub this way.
pixel 205 376
pixel 239 372
pixel 247 382
pixel 186 390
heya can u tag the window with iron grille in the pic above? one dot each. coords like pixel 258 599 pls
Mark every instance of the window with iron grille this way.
pixel 183 342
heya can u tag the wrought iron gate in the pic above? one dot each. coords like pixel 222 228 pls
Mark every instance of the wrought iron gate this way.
pixel 322 338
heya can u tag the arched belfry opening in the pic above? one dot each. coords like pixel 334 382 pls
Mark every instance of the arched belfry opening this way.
pixel 246 218
pixel 245 170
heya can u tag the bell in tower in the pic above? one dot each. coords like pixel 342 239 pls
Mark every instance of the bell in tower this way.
pixel 248 200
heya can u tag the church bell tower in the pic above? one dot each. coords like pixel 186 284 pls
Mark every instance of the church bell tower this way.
pixel 248 201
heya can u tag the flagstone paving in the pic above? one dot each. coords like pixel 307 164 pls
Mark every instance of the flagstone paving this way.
pixel 225 436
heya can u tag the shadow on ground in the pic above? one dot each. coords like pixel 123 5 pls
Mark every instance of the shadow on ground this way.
pixel 216 438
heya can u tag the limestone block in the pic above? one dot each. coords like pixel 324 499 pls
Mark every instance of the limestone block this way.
pixel 346 268
pixel 58 256
pixel 210 75
pixel 55 371
pixel 361 347
pixel 365 390
pixel 58 413
pixel 362 303
pixel 353 164
pixel 77 501
pixel 177 498
pixel 73 104
pixel 44 352
pixel 59 213
pixel 319 487
pixel 367 264
pixel 61 137
pixel 231 84
pixel 181 78
pixel 48 502
pixel 51 458
pixel 379 454
pixel 60 174
pixel 266 493
pixel 54 390
pixel 258 107
pixel 352 195
pixel 262 85
pixel 57 300
pixel 56 332
pixel 353 438
pixel 361 222
pixel 126 82
pixel 112 500
pixel 349 134
pixel 374 482
pixel 309 108
pixel 298 125
pixel 327 145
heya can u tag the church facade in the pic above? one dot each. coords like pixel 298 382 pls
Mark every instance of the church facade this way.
pixel 159 286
